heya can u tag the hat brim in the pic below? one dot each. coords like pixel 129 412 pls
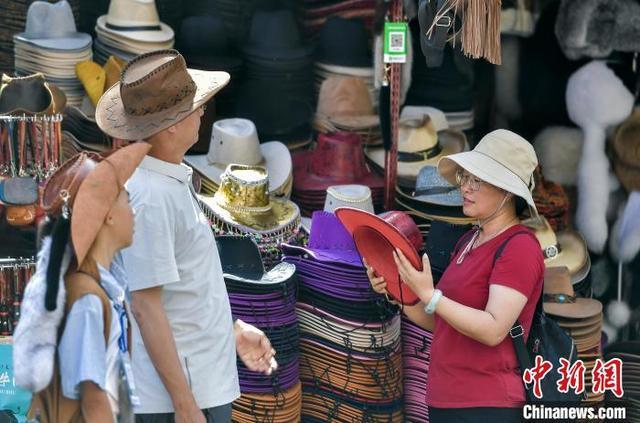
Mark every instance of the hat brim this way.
pixel 583 308
pixel 573 254
pixel 283 213
pixel 116 122
pixel 376 240
pixel 281 273
pixel 98 192
pixel 277 160
pixel 452 142
pixel 487 169
pixel 74 41
pixel 164 34
pixel 346 70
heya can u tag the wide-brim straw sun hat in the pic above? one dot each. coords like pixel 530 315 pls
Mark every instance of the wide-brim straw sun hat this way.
pixel 503 159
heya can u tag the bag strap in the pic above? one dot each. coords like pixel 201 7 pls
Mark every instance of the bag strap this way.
pixel 517 331
pixel 79 284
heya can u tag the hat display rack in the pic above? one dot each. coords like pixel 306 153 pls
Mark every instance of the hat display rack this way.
pixel 14 275
pixel 30 146
pixel 266 300
pixel 350 350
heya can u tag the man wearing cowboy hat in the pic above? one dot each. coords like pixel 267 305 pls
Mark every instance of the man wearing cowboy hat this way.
pixel 184 337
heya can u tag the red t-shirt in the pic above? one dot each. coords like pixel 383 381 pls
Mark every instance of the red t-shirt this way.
pixel 464 372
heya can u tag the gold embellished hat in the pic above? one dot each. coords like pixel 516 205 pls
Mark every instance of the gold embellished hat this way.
pixel 243 202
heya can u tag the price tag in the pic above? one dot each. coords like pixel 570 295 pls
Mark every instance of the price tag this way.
pixel 395 42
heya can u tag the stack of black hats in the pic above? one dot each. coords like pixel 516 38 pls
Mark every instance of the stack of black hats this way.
pixel 277 88
pixel 204 42
pixel 448 87
pixel 344 50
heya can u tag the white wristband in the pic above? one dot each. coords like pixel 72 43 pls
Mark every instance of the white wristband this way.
pixel 435 298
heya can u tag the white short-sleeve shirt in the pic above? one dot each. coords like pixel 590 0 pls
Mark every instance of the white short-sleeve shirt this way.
pixel 174 247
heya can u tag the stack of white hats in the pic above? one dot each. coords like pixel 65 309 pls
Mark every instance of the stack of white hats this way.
pixel 131 27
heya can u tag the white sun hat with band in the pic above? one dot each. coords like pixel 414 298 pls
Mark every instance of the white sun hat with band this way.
pixel 503 159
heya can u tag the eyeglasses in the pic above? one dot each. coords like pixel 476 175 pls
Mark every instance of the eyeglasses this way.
pixel 463 178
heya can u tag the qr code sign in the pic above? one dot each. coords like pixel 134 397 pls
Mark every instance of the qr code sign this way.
pixel 396 42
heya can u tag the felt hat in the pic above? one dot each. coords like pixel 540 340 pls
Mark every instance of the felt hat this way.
pixel 502 158
pixel 87 186
pixel 30 95
pixel 52 26
pixel 625 145
pixel 156 91
pixel 236 141
pixel 559 299
pixel 345 103
pixel 377 237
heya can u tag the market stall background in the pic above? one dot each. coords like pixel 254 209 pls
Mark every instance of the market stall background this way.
pixel 304 102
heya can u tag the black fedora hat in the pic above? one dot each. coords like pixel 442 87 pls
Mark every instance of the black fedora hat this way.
pixel 274 35
pixel 204 43
pixel 344 42
pixel 275 109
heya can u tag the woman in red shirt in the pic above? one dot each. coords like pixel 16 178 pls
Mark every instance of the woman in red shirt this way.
pixel 474 374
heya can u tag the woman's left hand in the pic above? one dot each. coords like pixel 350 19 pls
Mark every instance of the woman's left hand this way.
pixel 420 282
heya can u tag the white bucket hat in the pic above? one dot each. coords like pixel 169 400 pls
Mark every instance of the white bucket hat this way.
pixel 503 159
pixel 235 141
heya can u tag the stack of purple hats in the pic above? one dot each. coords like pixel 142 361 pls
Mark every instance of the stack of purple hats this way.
pixel 416 355
pixel 266 300
pixel 350 352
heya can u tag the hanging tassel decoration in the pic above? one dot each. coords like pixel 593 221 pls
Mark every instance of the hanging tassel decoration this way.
pixel 480 31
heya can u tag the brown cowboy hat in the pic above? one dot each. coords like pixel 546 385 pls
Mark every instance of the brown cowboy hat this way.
pixel 91 185
pixel 560 299
pixel 156 91
pixel 625 146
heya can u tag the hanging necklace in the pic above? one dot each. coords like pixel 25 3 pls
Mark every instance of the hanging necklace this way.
pixel 476 235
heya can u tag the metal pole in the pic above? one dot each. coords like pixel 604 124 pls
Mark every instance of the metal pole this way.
pixel 391 156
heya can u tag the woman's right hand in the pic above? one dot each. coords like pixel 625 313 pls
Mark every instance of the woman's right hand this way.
pixel 378 284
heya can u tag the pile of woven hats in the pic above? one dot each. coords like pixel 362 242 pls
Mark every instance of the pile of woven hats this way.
pixel 350 352
pixel 267 301
pixel 130 28
pixel 337 159
pixel 628 354
pixel 50 44
pixel 243 205
pixel 416 356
